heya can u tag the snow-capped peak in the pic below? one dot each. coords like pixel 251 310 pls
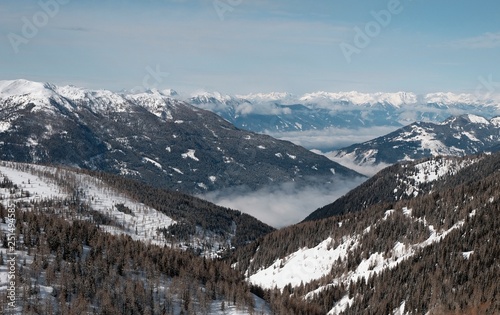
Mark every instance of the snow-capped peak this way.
pixel 22 87
pixel 41 94
pixel 210 97
pixel 28 92
pixel 470 118
pixel 357 98
pixel 477 119
pixel 268 97
pixel 495 121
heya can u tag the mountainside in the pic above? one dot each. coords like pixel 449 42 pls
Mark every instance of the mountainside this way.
pixel 77 242
pixel 124 206
pixel 456 136
pixel 430 248
pixel 147 136
pixel 402 181
pixel 284 112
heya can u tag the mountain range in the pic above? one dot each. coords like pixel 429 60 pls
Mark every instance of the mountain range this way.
pixel 95 225
pixel 148 136
pixel 276 113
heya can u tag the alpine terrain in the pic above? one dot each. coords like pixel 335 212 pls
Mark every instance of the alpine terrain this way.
pixel 456 136
pixel 94 215
pixel 419 238
pixel 150 137
pixel 79 242
pixel 282 113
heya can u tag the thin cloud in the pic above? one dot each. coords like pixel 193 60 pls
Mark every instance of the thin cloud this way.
pixel 483 41
pixel 73 29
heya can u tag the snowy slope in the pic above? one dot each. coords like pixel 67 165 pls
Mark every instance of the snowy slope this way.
pixel 27 184
pixel 347 253
pixel 309 264
pixel 142 224
pixel 401 181
pixel 161 217
pixel 456 136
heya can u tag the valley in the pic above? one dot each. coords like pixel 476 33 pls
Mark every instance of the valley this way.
pixel 95 181
pixel 230 157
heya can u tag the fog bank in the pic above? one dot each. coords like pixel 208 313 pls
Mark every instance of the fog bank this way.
pixel 282 205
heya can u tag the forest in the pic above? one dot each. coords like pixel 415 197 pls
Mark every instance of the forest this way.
pixel 435 252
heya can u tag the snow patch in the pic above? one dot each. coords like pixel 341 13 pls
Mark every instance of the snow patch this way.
pixel 177 170
pixel 467 255
pixel 477 119
pixel 190 154
pixel 305 265
pixel 148 160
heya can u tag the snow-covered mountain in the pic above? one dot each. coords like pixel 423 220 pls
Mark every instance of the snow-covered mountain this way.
pixel 456 136
pixel 415 229
pixel 148 136
pixel 279 112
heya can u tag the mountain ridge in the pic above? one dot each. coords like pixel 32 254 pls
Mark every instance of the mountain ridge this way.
pixel 150 137
pixel 390 255
pixel 281 113
pixel 278 113
pixel 456 136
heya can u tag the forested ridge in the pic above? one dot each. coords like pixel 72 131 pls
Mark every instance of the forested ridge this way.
pixel 193 215
pixel 447 260
pixel 435 252
pixel 74 268
pixel 192 211
pixel 385 186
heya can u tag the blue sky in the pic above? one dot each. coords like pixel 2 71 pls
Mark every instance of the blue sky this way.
pixel 244 46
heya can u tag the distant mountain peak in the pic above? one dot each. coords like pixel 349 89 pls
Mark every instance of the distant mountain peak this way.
pixel 467 119
pixel 22 87
pixel 215 97
pixel 358 98
pixel 268 97
pixel 169 92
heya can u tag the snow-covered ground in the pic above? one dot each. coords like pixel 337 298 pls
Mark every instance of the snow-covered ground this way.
pixel 142 224
pixel 430 171
pixel 34 184
pixel 308 264
pixel 304 265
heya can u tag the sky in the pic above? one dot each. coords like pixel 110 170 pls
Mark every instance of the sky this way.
pixel 250 46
